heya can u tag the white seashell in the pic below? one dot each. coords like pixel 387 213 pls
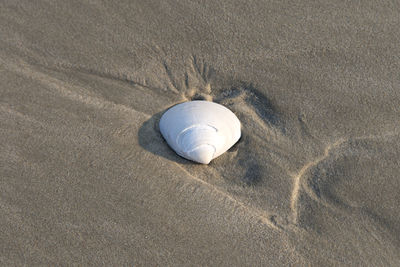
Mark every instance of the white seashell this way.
pixel 200 130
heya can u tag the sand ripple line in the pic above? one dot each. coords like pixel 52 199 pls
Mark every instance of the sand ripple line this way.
pixel 297 177
pixel 62 88
pixel 261 215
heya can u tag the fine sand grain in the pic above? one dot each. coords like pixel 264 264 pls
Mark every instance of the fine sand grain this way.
pixel 87 179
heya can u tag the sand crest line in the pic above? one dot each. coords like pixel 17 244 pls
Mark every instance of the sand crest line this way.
pixel 262 215
pixel 298 176
pixel 64 89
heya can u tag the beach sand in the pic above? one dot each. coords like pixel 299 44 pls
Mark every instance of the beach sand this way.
pixel 87 179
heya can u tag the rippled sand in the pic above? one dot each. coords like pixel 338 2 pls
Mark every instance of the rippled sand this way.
pixel 87 179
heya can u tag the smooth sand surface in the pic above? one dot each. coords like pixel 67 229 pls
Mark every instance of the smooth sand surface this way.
pixel 86 178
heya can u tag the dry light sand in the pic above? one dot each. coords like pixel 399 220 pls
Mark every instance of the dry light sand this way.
pixel 86 178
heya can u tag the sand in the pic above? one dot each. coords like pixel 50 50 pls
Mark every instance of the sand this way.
pixel 87 179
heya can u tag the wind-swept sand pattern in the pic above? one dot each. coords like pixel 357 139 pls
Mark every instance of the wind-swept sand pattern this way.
pixel 87 179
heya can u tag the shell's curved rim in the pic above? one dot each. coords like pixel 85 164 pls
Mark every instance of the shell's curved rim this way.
pixel 201 126
pixel 205 144
pixel 187 130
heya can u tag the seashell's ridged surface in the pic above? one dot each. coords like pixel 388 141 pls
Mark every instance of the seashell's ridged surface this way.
pixel 200 130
